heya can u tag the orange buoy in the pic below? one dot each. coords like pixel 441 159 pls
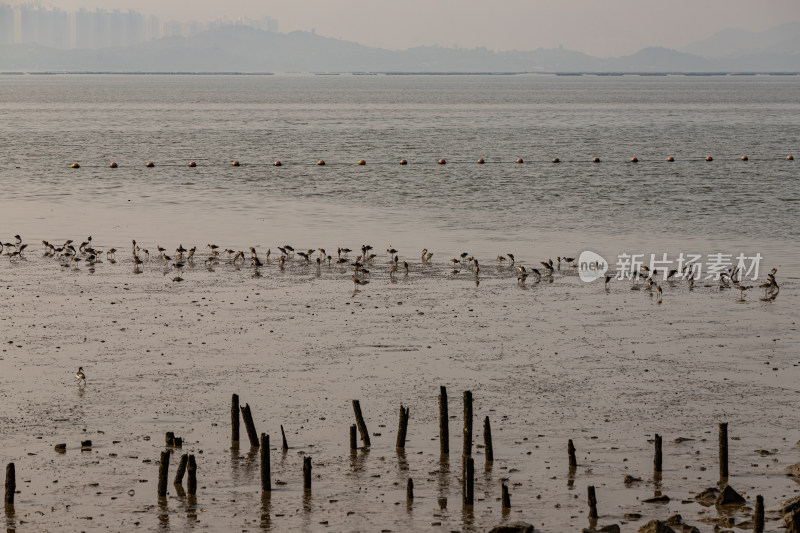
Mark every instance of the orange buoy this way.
pixel 481 161
pixel 75 165
pixel 149 164
pixel 442 162
pixel 112 165
pixel 276 164
pixel 709 158
pixel 192 164
pixel 744 158
pixel 520 161
pixel 556 160
pixel 321 162
pixel 790 158
pixel 634 159
pixel 670 159
pixel 362 162
pixel 235 163
pixel 596 160
pixel 403 162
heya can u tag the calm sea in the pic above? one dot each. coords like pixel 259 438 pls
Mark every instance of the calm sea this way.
pixel 536 209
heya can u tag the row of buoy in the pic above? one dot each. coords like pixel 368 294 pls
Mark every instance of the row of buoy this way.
pixel 481 161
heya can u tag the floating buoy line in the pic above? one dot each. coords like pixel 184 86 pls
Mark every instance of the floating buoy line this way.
pixel 443 161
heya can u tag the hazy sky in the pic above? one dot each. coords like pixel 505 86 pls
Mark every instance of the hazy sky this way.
pixel 597 27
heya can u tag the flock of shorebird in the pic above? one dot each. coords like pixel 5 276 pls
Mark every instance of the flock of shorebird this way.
pixel 71 255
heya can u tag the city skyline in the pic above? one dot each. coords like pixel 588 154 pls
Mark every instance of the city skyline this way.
pixel 53 27
pixel 604 29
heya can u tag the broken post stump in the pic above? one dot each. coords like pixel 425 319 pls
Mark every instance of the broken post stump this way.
pixel 191 482
pixel 362 426
pixel 467 423
pixel 284 445
pixel 444 430
pixel 11 483
pixel 181 469
pixel 487 440
pixel 723 450
pixel 163 472
pixel 592 503
pixel 506 497
pixel 307 473
pixel 410 489
pixel 353 438
pixel 266 481
pixel 235 418
pixel 758 515
pixel 657 457
pixel 247 416
pixel 469 481
pixel 402 427
pixel 573 462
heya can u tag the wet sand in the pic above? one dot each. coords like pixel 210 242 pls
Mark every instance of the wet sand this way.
pixel 547 362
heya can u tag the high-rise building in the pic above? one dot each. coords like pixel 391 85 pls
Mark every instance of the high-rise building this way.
pixel 7 33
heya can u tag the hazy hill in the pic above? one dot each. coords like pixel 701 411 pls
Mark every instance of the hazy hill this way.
pixel 736 43
pixel 243 49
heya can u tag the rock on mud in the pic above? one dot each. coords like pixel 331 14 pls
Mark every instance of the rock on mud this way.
pixel 793 470
pixel 656 526
pixel 513 527
pixel 728 496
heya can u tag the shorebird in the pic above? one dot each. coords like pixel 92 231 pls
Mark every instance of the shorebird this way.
pixel 477 267
pixel 405 266
pixel 500 258
pixel 80 376
pixel 110 253
pixel 428 257
pixel 191 253
pixel 608 280
pixel 741 289
pixel 511 256
pixel 659 294
pixel 390 250
pixel 180 250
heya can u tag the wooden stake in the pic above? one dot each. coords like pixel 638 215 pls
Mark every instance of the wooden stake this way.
pixel 247 416
pixel 307 473
pixel 592 503
pixel 758 515
pixel 163 473
pixel 506 498
pixel 723 450
pixel 353 438
pixel 657 457
pixel 487 440
pixel 467 424
pixel 410 489
pixel 362 426
pixel 11 483
pixel 285 445
pixel 573 463
pixel 469 481
pixel 444 426
pixel 181 469
pixel 402 427
pixel 266 481
pixel 191 482
pixel 235 418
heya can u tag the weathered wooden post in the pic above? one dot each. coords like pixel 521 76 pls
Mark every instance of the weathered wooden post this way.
pixel 247 415
pixel 469 481
pixel 758 515
pixel 307 473
pixel 191 482
pixel 487 440
pixel 444 430
pixel 657 457
pixel 266 481
pixel 362 426
pixel 467 423
pixel 723 450
pixel 573 462
pixel 235 418
pixel 11 483
pixel 163 473
pixel 592 503
pixel 506 497
pixel 181 469
pixel 353 438
pixel 410 489
pixel 402 427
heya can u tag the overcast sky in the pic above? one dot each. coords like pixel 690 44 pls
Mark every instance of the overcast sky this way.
pixel 597 27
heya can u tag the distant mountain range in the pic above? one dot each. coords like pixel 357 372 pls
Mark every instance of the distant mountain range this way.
pixel 244 49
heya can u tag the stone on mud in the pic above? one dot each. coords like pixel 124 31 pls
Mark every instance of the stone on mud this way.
pixel 728 496
pixel 513 527
pixel 793 470
pixel 656 526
